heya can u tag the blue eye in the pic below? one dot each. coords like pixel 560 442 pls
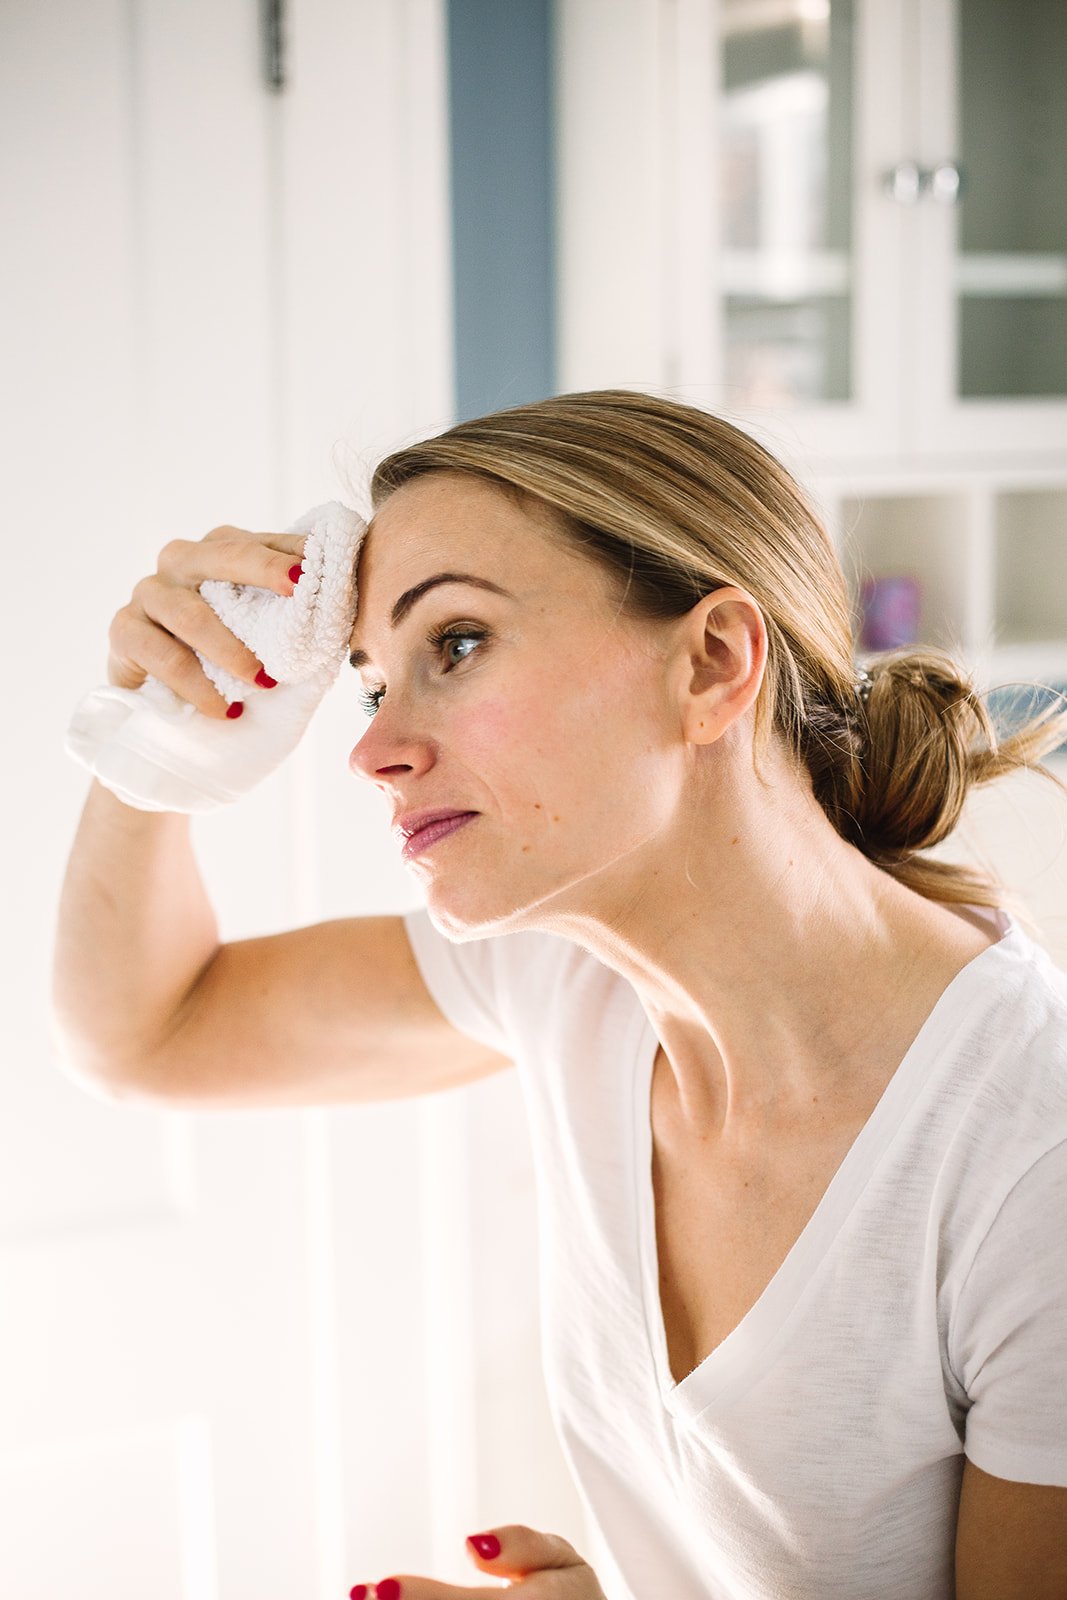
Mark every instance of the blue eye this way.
pixel 370 699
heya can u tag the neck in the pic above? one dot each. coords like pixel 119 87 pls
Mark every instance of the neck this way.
pixel 776 964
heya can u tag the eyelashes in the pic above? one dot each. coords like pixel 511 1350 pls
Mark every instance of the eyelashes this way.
pixel 371 699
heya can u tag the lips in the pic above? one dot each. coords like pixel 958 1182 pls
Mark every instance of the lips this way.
pixel 427 836
pixel 410 822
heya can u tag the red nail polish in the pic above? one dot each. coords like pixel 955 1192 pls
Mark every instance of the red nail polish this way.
pixel 388 1589
pixel 294 574
pixel 359 1592
pixel 264 681
pixel 486 1544
pixel 236 710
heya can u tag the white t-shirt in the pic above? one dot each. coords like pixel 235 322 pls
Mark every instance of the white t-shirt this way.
pixel 921 1315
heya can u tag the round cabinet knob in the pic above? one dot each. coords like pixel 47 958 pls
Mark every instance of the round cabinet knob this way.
pixel 945 182
pixel 904 182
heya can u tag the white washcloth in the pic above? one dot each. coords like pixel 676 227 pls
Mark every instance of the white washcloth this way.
pixel 157 752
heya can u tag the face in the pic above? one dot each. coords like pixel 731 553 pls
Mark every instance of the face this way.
pixel 541 711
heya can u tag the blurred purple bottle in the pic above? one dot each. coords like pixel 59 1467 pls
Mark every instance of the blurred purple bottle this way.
pixel 890 613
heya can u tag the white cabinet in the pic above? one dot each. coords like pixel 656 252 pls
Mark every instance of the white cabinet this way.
pixel 842 224
pixel 893 220
pixel 986 554
pixel 845 220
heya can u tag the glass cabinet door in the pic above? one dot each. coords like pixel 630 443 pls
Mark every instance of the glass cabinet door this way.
pixel 841 222
pixel 785 183
pixel 988 267
pixel 1011 263
pixel 806 244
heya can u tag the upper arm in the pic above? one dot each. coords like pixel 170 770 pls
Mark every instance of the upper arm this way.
pixel 1010 1356
pixel 334 1013
pixel 1011 1539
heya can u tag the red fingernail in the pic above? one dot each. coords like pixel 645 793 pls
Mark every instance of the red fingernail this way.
pixel 265 682
pixel 388 1589
pixel 294 574
pixel 236 709
pixel 486 1544
pixel 358 1593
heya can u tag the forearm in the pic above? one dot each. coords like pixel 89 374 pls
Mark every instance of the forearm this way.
pixel 135 930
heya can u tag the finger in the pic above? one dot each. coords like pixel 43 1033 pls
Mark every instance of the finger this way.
pixel 290 544
pixel 523 1550
pixel 409 1586
pixel 233 555
pixel 187 616
pixel 163 641
pixel 171 663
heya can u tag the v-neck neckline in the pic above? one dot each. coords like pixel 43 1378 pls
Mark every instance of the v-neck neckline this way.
pixel 739 1358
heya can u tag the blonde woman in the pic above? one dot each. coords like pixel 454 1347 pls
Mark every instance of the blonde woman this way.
pixel 797 1092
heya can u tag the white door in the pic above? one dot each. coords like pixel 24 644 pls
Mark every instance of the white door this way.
pixel 153 1267
pixel 239 1351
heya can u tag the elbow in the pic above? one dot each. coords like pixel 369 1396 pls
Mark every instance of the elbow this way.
pixel 102 1080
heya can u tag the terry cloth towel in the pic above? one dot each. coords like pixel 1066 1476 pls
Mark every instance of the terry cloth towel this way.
pixel 157 752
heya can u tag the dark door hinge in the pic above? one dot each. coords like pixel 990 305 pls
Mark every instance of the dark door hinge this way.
pixel 272 33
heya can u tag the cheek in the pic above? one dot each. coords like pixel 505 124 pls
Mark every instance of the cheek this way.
pixel 492 730
pixel 570 738
pixel 526 738
pixel 529 750
pixel 573 762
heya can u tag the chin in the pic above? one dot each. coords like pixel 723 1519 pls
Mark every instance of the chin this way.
pixel 469 914
pixel 460 927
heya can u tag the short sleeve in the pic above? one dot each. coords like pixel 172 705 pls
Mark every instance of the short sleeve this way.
pixel 463 979
pixel 1010 1333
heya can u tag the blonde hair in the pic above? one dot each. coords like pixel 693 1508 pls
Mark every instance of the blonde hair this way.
pixel 672 503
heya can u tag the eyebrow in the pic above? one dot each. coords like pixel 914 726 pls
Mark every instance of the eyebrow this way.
pixel 360 658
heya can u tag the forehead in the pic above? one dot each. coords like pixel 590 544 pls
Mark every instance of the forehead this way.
pixel 459 523
pixel 456 521
pixel 454 506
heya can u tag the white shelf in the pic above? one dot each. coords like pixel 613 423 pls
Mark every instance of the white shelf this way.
pixel 990 558
pixel 1014 275
pixel 785 275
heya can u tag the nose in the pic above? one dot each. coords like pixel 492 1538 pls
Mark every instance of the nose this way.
pixel 378 756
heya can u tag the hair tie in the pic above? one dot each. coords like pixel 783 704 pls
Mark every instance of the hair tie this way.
pixel 863 683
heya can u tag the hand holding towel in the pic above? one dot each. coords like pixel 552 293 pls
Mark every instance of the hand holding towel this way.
pixel 157 752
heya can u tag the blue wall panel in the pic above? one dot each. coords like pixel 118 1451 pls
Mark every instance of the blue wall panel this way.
pixel 503 251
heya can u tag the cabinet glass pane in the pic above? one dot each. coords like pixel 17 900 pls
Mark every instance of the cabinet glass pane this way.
pixel 1011 271
pixel 786 234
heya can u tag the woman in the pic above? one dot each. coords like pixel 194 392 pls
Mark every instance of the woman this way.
pixel 797 1091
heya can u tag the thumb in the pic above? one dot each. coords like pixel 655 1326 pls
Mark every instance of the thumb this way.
pixel 521 1550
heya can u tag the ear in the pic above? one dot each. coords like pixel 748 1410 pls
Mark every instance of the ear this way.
pixel 721 658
